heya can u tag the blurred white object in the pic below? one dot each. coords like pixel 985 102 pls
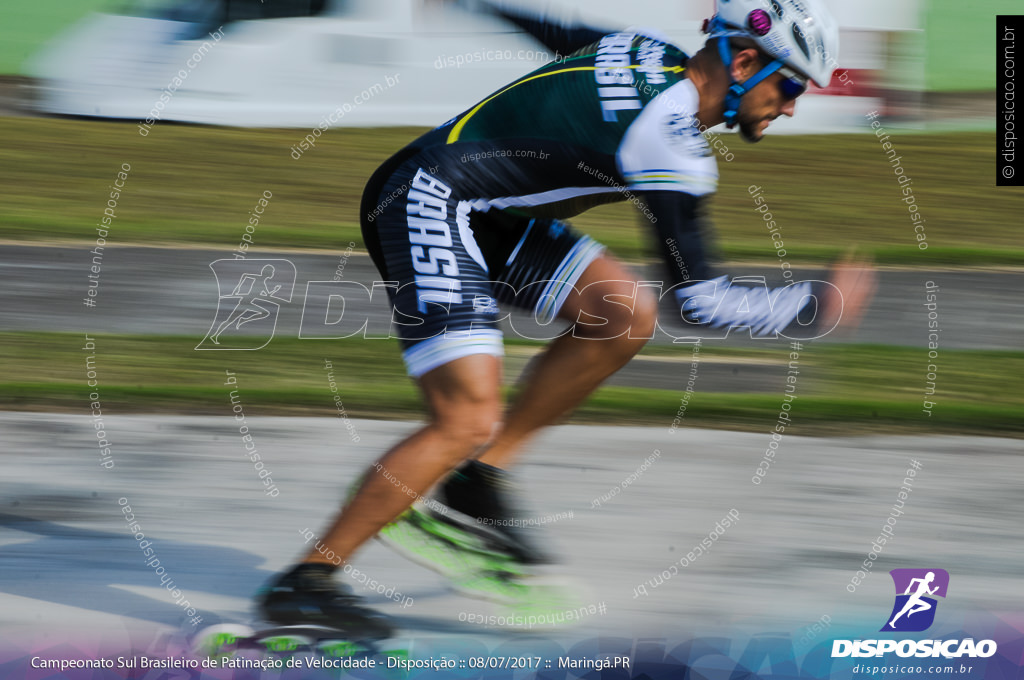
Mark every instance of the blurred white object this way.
pixel 352 62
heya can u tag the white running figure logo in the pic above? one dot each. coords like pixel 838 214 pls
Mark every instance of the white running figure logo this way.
pixel 253 308
pixel 915 603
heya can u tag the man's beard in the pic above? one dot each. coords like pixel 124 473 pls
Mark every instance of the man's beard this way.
pixel 748 131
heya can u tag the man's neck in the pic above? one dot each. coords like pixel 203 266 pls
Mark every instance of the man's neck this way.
pixel 706 74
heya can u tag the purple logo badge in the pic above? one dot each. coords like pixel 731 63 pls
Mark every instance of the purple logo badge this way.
pixel 913 586
pixel 759 21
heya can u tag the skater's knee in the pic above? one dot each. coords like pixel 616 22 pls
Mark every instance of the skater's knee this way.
pixel 470 427
pixel 620 311
pixel 645 316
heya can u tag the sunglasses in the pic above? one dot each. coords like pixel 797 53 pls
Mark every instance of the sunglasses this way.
pixel 792 84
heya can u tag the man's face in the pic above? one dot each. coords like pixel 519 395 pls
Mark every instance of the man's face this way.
pixel 761 106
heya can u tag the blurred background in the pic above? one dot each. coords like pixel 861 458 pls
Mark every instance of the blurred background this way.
pixel 213 105
pixel 202 115
pixel 283 61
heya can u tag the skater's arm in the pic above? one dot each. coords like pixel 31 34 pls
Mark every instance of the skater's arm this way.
pixel 680 225
pixel 558 36
pixel 710 298
pixel 666 160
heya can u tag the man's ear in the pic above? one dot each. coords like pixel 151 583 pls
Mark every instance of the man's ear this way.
pixel 745 63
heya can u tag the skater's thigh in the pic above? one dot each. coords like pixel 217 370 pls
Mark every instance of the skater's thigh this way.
pixel 439 287
pixel 465 393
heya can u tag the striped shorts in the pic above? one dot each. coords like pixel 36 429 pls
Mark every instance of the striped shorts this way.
pixel 451 260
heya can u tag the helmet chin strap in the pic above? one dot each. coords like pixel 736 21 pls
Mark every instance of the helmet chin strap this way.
pixel 736 89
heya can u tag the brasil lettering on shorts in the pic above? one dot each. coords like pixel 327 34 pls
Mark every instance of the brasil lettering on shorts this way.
pixel 431 238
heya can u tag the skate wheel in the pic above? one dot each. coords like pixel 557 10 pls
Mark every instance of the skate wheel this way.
pixel 546 601
pixel 497 588
pixel 220 640
pixel 552 601
pixel 339 649
pixel 285 643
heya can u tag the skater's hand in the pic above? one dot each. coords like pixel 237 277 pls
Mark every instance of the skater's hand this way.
pixel 855 283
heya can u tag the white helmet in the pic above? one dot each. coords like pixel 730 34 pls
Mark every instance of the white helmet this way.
pixel 799 33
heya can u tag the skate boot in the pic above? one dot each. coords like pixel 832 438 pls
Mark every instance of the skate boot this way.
pixel 307 595
pixel 482 501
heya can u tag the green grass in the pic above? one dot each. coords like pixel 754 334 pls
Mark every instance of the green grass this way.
pixel 26 26
pixel 960 43
pixel 849 389
pixel 195 185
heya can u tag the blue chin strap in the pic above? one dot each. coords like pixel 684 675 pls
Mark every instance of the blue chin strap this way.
pixel 737 90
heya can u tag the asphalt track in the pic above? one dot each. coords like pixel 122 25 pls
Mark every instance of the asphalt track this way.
pixel 174 292
pixel 71 569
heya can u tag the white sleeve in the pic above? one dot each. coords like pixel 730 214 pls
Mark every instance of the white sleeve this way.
pixel 663 149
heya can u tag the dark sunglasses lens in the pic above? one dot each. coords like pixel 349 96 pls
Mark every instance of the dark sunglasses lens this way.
pixel 791 88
